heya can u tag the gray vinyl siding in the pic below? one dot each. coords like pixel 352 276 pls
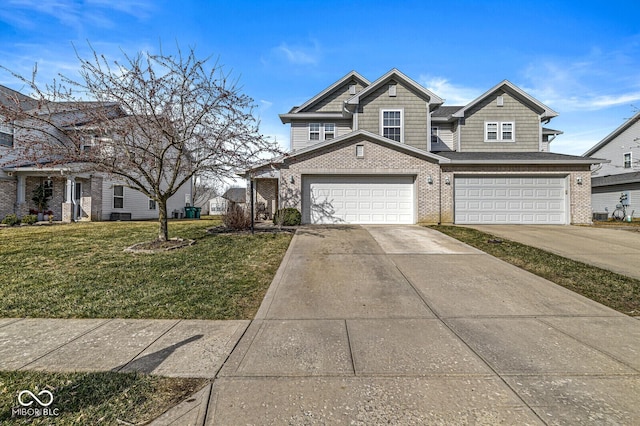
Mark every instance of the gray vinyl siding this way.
pixel 414 115
pixel 334 101
pixel 137 203
pixel 300 132
pixel 605 198
pixel 445 139
pixel 527 126
pixel 615 150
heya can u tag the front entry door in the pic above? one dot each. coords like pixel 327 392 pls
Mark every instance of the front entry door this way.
pixel 77 201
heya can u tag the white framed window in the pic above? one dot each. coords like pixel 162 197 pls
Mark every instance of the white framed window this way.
pixel 152 204
pixel 359 151
pixel 626 160
pixel 118 196
pixel 506 131
pixel 6 134
pixel 496 131
pixel 314 131
pixel 391 124
pixel 329 131
pixel 435 134
pixel 322 131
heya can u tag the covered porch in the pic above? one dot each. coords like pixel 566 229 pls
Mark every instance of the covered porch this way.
pixel 70 196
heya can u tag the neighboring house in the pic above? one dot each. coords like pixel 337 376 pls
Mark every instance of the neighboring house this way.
pixel 389 151
pixel 622 173
pixel 75 194
pixel 217 205
pixel 235 196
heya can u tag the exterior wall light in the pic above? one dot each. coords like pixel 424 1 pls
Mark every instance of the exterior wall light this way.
pixel 429 180
pixel 447 181
pixel 579 180
pixel 292 180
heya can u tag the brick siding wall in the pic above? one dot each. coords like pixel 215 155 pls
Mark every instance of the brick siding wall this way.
pixel 8 191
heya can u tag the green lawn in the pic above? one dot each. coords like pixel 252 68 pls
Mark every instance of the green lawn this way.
pixel 617 291
pixel 80 271
pixel 94 398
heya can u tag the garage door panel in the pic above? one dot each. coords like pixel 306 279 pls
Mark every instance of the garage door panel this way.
pixel 358 199
pixel 515 199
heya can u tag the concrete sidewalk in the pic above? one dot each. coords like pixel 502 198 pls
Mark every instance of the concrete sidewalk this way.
pixel 174 348
pixel 616 250
pixel 402 325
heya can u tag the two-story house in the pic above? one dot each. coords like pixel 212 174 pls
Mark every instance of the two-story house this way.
pixel 75 192
pixel 622 173
pixel 390 151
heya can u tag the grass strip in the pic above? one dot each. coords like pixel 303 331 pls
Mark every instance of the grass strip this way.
pixel 616 291
pixel 94 398
pixel 81 271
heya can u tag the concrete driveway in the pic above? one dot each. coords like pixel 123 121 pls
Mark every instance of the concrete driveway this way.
pixel 402 325
pixel 613 249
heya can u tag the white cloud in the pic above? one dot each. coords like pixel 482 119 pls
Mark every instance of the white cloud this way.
pixel 453 94
pixel 299 55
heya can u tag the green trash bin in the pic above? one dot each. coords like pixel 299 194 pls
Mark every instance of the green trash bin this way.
pixel 189 212
pixel 198 209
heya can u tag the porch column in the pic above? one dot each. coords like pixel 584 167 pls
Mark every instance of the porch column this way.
pixel 67 207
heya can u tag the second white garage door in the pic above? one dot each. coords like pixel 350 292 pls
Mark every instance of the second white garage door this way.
pixel 506 200
pixel 358 199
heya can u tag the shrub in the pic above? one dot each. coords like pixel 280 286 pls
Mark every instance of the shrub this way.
pixel 287 217
pixel 29 219
pixel 236 218
pixel 11 220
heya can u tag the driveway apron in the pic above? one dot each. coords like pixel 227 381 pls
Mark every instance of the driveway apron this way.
pixel 403 325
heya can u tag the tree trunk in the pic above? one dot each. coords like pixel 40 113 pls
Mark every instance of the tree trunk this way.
pixel 163 231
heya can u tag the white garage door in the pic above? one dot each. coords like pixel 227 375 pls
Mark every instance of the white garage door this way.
pixel 358 199
pixel 517 200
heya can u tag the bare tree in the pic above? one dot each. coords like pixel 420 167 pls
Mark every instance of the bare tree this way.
pixel 205 189
pixel 153 120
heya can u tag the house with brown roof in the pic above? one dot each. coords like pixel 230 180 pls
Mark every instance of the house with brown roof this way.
pixel 390 151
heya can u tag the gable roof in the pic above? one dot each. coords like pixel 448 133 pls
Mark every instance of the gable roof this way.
pixel 546 112
pixel 611 136
pixel 353 75
pixel 236 195
pixel 396 75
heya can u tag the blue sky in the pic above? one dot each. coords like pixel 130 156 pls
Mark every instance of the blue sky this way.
pixel 581 58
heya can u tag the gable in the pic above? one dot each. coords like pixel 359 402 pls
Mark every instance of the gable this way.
pixel 334 101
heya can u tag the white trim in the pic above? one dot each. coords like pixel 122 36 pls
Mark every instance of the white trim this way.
pixel 437 134
pixel 319 131
pixel 359 151
pixel 324 131
pixel 624 161
pixel 382 126
pixel 499 131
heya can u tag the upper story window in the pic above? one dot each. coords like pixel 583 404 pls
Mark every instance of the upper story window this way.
pixel 435 134
pixel 391 124
pixel 496 131
pixel 626 160
pixel 6 134
pixel 322 131
pixel 329 131
pixel 118 196
pixel 314 131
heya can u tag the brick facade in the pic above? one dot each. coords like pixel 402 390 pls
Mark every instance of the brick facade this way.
pixel 267 193
pixel 579 194
pixel 378 159
pixel 7 197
